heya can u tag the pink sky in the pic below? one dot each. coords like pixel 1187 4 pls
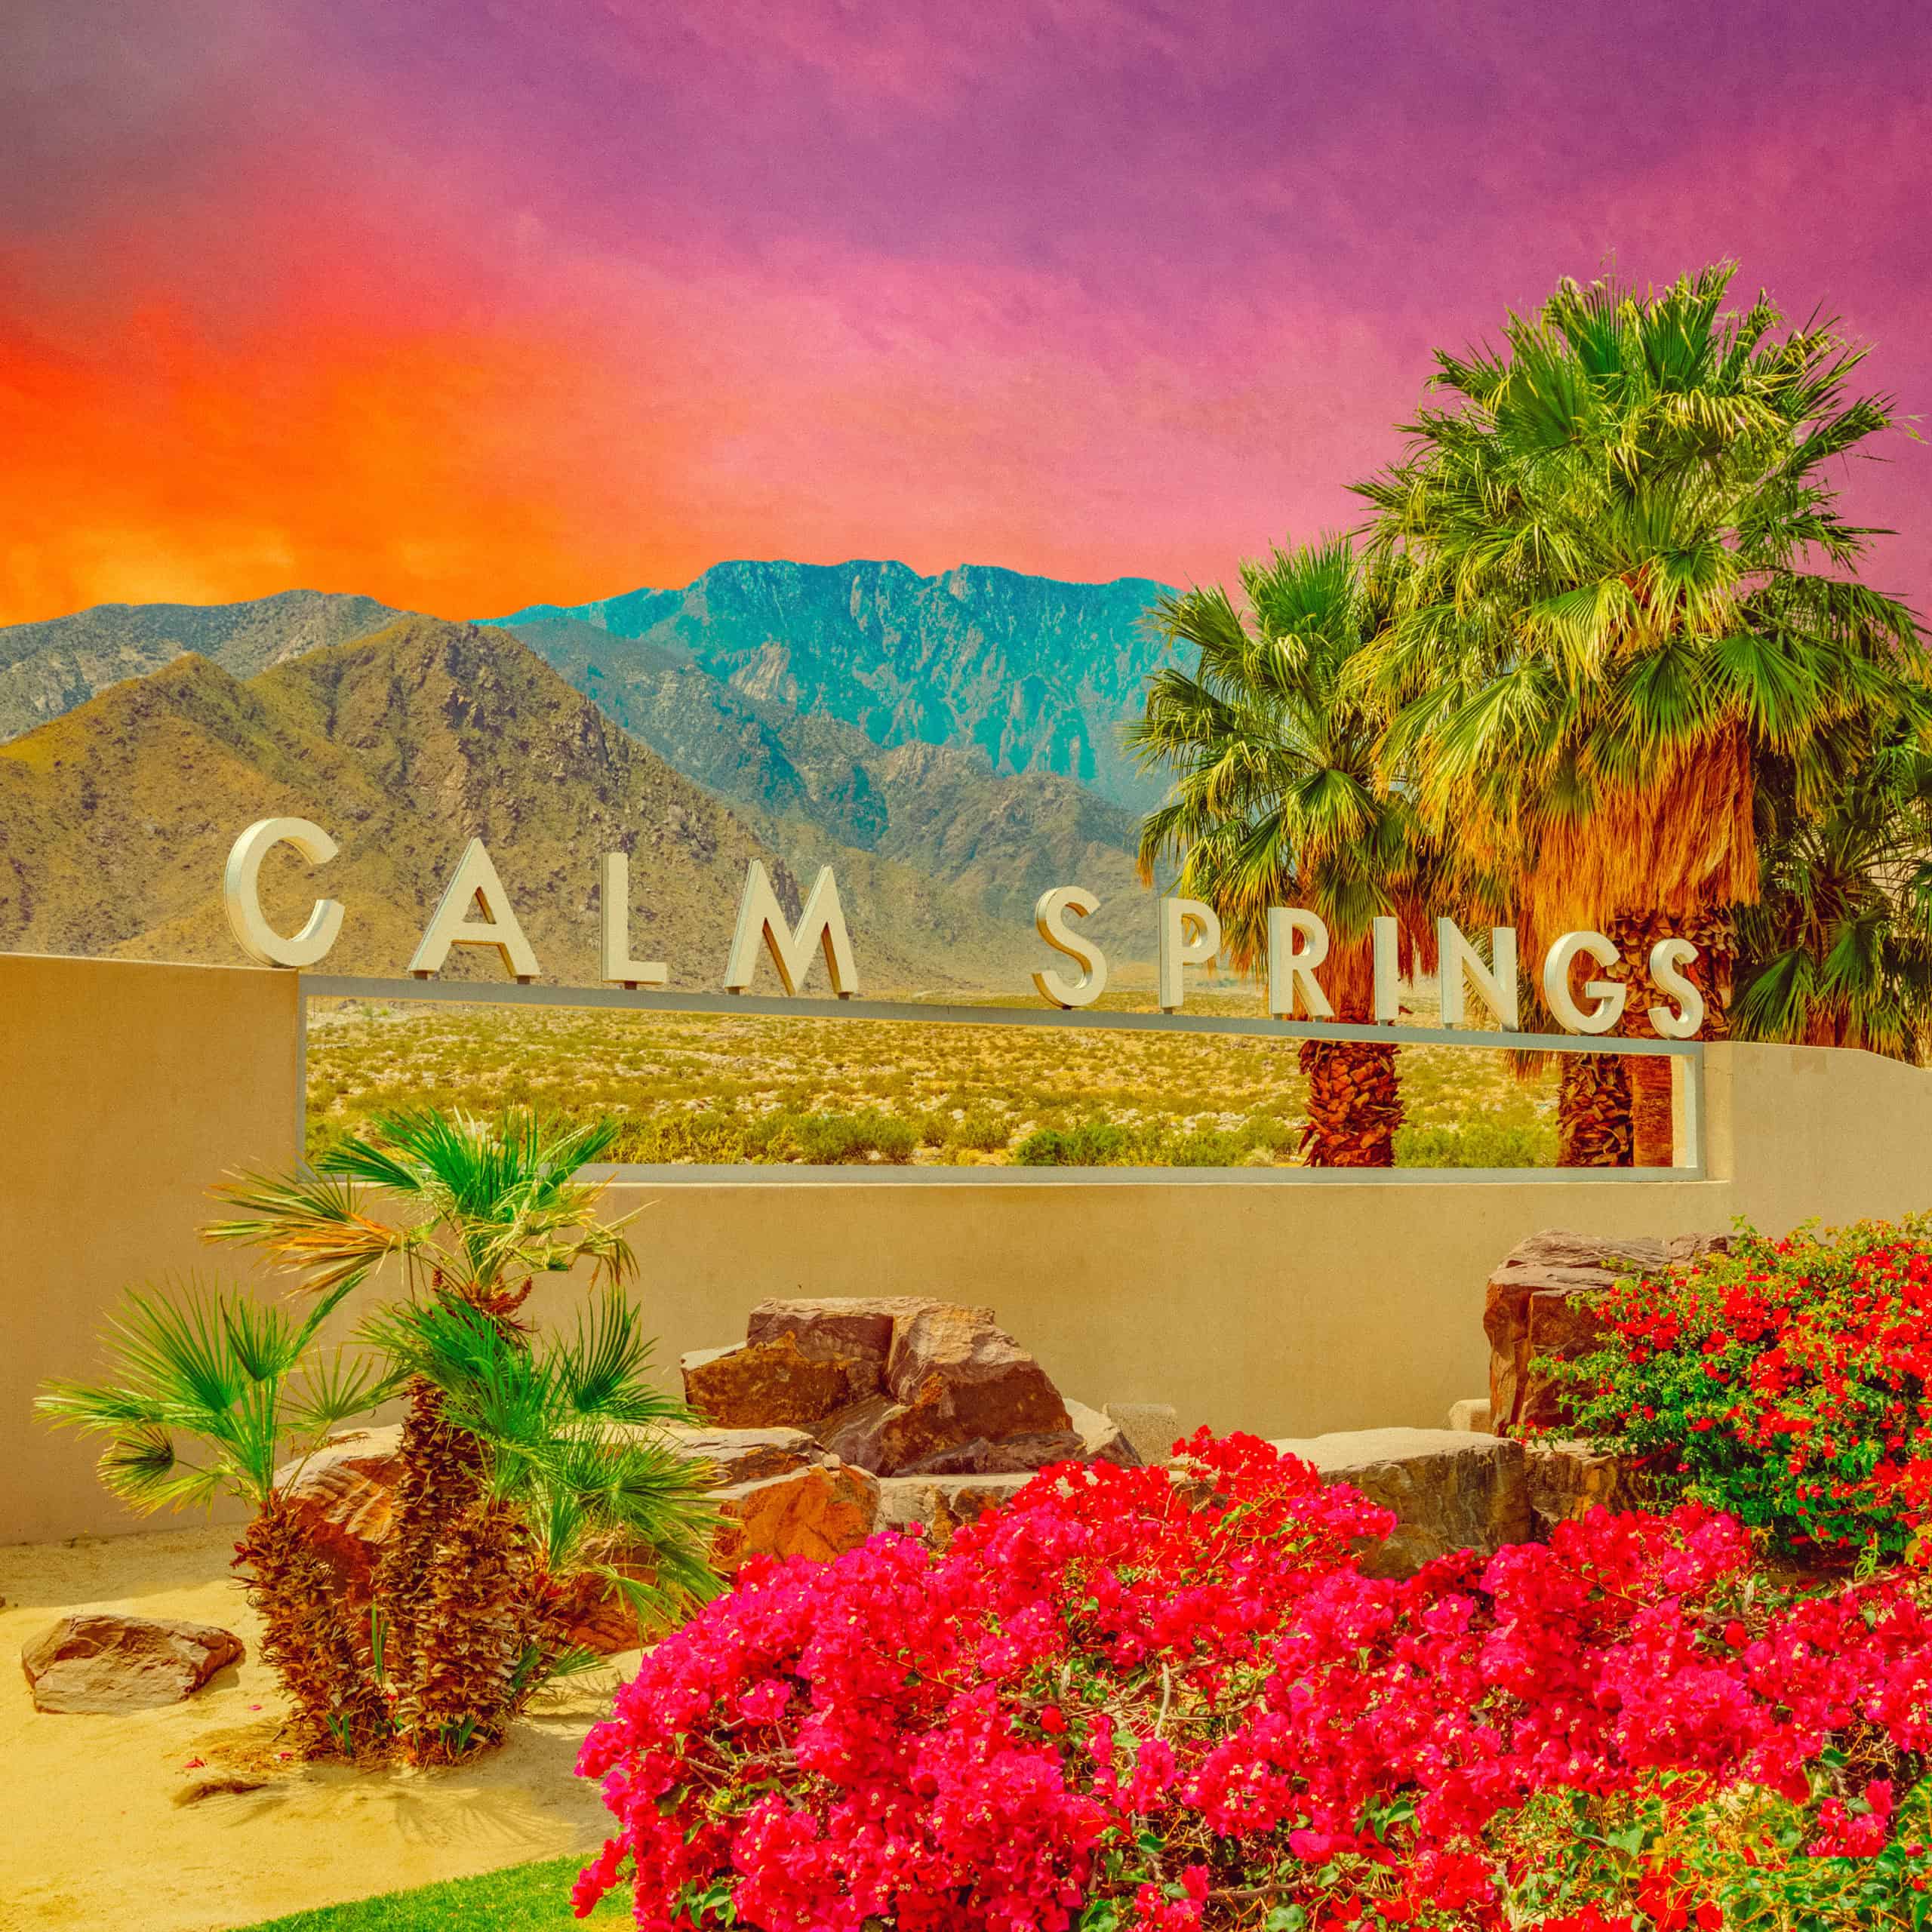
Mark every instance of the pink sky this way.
pixel 468 305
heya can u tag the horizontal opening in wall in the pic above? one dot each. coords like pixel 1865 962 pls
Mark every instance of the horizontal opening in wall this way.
pixel 805 1090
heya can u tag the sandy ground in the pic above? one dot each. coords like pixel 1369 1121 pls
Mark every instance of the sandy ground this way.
pixel 105 1827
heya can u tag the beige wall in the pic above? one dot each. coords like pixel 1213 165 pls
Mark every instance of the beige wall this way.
pixel 1282 1305
pixel 125 1090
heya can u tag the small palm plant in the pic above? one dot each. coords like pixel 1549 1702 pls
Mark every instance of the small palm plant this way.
pixel 473 1211
pixel 213 1394
pixel 579 1500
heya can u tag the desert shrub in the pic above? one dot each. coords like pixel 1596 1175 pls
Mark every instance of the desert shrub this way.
pixel 1105 1143
pixel 980 1128
pixel 1265 1133
pixel 714 1136
pixel 1477 1143
pixel 1093 1143
pixel 1158 1699
pixel 1204 1147
pixel 833 1139
pixel 1788 1382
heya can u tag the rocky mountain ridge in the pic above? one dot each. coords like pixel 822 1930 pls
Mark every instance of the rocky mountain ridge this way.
pixel 116 819
pixel 1038 673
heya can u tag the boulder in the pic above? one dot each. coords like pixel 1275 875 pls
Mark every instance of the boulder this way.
pixel 344 1494
pixel 743 1455
pixel 1471 1417
pixel 1450 1490
pixel 1567 1480
pixel 923 1439
pixel 817 1512
pixel 902 1385
pixel 959 1397
pixel 774 1384
pixel 1102 1438
pixel 841 1326
pixel 103 1661
pixel 966 1379
pixel 934 1506
pixel 1540 1302
pixel 608 1624
pixel 1151 1428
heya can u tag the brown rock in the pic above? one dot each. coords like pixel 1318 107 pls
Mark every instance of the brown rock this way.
pixel 344 1494
pixel 606 1622
pixel 1567 1480
pixel 1012 1455
pixel 962 1398
pixel 842 1325
pixel 1449 1490
pixel 1102 1438
pixel 863 1434
pixel 1471 1417
pixel 743 1455
pixel 774 1384
pixel 934 1506
pixel 1540 1302
pixel 103 1661
pixel 961 1366
pixel 817 1512
pixel 1152 1428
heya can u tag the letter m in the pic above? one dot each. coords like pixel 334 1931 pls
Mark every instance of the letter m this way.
pixel 821 929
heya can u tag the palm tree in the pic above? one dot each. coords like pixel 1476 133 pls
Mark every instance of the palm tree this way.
pixel 213 1394
pixel 1627 586
pixel 579 1498
pixel 476 1210
pixel 1838 950
pixel 1277 801
pixel 578 1488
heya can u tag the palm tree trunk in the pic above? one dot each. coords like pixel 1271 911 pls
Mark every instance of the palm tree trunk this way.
pixel 1593 1111
pixel 317 1648
pixel 441 1478
pixel 472 1638
pixel 1355 1104
pixel 1652 1134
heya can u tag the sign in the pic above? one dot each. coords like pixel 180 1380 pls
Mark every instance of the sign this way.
pixel 475 911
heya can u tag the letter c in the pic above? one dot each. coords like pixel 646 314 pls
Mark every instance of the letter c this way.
pixel 240 886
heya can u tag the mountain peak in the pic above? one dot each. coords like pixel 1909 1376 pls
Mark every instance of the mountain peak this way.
pixel 1035 673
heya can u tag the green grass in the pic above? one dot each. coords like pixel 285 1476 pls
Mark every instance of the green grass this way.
pixel 526 1898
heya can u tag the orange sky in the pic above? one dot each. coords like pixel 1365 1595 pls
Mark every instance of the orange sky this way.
pixel 469 308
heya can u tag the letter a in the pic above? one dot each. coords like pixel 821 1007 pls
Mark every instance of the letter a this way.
pixel 475 880
pixel 821 928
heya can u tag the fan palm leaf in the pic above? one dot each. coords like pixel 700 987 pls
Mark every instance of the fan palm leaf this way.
pixel 1627 591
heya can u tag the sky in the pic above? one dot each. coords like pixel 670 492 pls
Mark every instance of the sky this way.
pixel 468 304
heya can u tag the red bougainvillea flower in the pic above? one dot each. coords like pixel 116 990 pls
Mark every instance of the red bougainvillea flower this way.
pixel 1171 1697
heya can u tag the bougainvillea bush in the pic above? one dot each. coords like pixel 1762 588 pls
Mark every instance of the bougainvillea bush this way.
pixel 1157 1699
pixel 1788 1382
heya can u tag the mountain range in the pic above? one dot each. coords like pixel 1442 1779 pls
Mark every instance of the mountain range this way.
pixel 116 819
pixel 1036 673
pixel 554 737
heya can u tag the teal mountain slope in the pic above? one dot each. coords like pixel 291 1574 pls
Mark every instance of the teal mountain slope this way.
pixel 996 842
pixel 1037 674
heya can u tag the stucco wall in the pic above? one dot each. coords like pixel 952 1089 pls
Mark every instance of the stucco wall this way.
pixel 125 1090
pixel 1283 1305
